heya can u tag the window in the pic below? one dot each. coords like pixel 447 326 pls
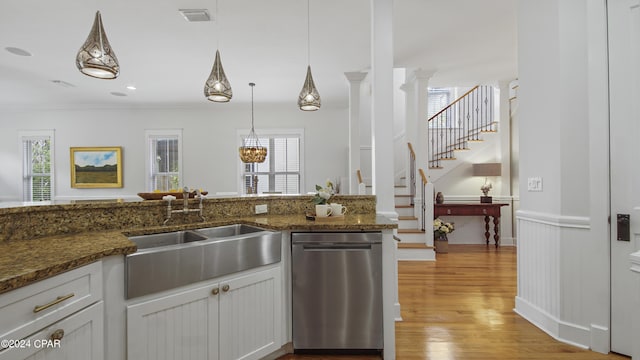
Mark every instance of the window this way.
pixel 37 165
pixel 281 170
pixel 439 98
pixel 164 159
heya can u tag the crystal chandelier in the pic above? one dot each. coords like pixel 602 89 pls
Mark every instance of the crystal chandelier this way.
pixel 251 151
pixel 217 87
pixel 309 98
pixel 96 58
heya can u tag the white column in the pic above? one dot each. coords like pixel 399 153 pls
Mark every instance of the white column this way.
pixel 382 106
pixel 422 121
pixel 382 150
pixel 355 80
pixel 410 122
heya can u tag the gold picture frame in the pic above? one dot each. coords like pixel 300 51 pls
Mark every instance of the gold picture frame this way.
pixel 96 167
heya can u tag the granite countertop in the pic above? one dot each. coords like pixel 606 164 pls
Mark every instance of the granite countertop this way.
pixel 23 262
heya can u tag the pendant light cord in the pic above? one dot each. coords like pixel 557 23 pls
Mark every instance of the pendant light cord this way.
pixel 217 27
pixel 252 85
pixel 308 34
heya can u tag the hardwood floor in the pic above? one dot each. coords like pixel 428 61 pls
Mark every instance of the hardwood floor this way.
pixel 461 308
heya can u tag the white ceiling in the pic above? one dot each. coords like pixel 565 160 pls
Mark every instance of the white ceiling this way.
pixel 168 59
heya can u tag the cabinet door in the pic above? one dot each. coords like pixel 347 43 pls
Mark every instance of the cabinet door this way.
pixel 250 321
pixel 181 326
pixel 79 336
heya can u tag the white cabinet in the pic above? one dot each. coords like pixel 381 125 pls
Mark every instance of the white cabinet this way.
pixel 57 318
pixel 236 317
pixel 78 336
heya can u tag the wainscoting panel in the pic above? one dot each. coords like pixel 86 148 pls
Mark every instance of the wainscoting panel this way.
pixel 547 288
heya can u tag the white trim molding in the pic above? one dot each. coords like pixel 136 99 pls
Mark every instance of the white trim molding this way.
pixel 578 222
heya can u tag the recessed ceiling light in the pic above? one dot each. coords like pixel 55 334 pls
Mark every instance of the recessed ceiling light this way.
pixel 192 15
pixel 117 93
pixel 63 83
pixel 131 87
pixel 17 51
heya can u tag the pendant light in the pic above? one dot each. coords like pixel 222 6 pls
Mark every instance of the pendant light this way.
pixel 251 151
pixel 217 87
pixel 96 57
pixel 309 98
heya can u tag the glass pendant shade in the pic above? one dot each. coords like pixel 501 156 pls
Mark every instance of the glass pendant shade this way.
pixel 217 87
pixel 96 57
pixel 251 151
pixel 309 98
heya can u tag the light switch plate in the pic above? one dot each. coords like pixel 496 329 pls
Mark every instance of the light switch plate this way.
pixel 261 209
pixel 534 184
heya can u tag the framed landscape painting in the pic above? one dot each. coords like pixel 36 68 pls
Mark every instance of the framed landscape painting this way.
pixel 96 167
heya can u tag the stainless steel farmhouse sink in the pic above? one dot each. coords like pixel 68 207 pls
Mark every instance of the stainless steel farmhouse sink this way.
pixel 165 239
pixel 169 260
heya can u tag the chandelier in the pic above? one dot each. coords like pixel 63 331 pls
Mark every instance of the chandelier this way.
pixel 251 151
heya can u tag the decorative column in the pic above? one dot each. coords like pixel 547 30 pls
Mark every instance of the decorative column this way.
pixel 421 146
pixel 382 106
pixel 355 80
pixel 382 156
pixel 410 122
pixel 421 84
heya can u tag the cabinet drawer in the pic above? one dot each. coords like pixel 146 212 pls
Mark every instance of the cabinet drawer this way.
pixel 28 309
pixel 79 336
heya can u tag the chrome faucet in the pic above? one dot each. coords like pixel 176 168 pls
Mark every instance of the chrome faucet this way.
pixel 185 205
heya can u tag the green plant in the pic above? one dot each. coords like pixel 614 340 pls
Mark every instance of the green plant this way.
pixel 323 194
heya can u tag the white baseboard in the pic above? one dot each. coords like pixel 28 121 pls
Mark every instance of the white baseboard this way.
pixel 562 331
pixel 396 311
pixel 416 255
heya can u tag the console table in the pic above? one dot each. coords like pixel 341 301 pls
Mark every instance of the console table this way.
pixel 474 209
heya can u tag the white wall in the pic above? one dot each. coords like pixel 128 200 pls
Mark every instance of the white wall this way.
pixel 209 143
pixel 563 273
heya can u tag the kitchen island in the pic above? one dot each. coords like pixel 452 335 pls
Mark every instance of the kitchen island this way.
pixel 80 234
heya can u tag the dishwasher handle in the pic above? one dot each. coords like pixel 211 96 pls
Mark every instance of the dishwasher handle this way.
pixel 336 247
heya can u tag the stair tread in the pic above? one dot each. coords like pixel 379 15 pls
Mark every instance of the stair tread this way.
pixel 410 231
pixel 403 195
pixel 403 245
pixel 407 218
pixel 404 206
pixel 435 167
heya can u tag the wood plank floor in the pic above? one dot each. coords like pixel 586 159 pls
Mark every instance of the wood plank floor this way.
pixel 461 308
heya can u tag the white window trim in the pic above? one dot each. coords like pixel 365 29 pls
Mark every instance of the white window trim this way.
pixel 36 135
pixel 151 134
pixel 242 133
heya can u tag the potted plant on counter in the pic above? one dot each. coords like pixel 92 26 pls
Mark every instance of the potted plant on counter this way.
pixel 440 231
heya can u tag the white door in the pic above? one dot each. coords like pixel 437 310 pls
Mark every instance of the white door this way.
pixel 250 317
pixel 181 326
pixel 624 42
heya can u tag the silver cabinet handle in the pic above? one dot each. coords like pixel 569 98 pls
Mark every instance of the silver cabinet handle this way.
pixel 225 288
pixel 215 291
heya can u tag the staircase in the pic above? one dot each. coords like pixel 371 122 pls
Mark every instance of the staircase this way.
pixel 461 124
pixel 414 243
pixel 455 130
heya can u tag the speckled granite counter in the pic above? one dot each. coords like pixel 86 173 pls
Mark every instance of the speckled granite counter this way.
pixel 26 261
pixel 23 261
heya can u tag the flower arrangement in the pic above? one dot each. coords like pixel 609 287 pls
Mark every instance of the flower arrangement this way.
pixel 441 228
pixel 323 194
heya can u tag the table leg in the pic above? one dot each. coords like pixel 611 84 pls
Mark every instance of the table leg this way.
pixel 486 229
pixel 496 230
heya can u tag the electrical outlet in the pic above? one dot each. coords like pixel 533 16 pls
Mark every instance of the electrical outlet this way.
pixel 534 184
pixel 261 209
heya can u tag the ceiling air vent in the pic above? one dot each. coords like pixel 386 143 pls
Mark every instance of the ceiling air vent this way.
pixel 192 15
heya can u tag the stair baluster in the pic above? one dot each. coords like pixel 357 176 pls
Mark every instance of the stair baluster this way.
pixel 460 122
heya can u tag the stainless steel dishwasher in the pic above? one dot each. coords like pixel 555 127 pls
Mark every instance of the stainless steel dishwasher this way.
pixel 337 291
